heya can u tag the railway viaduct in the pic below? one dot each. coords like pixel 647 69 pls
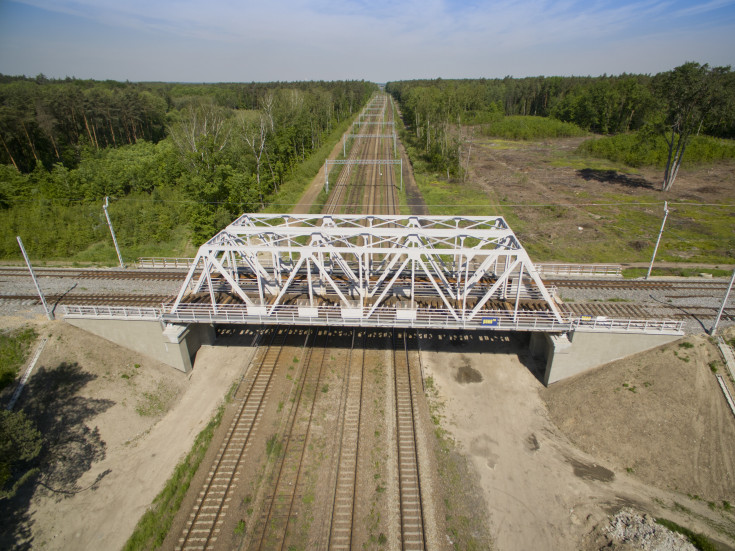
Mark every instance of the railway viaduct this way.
pixel 383 271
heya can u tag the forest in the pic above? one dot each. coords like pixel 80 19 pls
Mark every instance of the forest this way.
pixel 666 109
pixel 178 161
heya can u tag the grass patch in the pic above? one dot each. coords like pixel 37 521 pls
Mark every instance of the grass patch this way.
pixel 639 149
pixel 155 403
pixel 155 523
pixel 632 273
pixel 273 446
pixel 700 541
pixel 454 197
pixel 14 348
pixel 519 127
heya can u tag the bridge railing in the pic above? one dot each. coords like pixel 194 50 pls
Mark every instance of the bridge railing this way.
pixel 426 318
pixel 418 318
pixel 609 270
pixel 111 312
pixel 163 262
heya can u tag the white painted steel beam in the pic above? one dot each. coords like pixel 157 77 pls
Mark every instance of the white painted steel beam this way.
pixel 363 261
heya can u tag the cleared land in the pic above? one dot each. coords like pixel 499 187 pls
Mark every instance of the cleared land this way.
pixel 566 207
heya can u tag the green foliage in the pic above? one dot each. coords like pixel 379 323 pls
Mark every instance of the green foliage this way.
pixel 273 446
pixel 645 149
pixel 700 541
pixel 170 193
pixel 14 348
pixel 20 442
pixel 608 104
pixel 155 523
pixel 531 128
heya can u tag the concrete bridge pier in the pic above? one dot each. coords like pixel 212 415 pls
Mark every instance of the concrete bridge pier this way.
pixel 172 344
pixel 568 354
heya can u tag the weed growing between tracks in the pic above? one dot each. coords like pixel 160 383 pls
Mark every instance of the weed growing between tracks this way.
pixel 153 526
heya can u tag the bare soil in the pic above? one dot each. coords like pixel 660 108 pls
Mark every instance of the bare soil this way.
pixel 526 177
pixel 547 465
pixel 553 463
pixel 115 424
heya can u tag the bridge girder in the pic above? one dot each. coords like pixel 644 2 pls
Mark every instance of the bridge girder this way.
pixel 359 262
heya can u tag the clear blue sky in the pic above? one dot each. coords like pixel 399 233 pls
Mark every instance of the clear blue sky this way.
pixel 378 40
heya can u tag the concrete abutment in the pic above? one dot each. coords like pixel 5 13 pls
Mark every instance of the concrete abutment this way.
pixel 568 354
pixel 172 344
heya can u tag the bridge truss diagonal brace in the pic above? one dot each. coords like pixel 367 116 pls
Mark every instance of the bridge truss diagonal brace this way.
pixel 261 258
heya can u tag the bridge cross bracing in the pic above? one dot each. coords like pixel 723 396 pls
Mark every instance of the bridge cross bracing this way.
pixel 370 270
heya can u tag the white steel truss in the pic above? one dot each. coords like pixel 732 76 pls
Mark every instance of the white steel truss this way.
pixel 361 267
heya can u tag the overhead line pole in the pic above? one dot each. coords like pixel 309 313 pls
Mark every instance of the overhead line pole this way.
pixel 114 239
pixel 724 302
pixel 49 313
pixel 660 233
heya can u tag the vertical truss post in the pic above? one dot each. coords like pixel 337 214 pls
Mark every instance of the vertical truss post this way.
pixel 401 174
pixel 308 278
pixel 518 293
pixel 49 313
pixel 114 239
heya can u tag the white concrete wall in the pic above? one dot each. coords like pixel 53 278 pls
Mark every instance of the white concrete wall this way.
pixel 147 337
pixel 583 350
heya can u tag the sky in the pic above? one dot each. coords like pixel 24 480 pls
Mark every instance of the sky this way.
pixel 376 40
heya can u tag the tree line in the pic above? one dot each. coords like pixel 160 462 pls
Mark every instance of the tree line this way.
pixel 690 99
pixel 193 154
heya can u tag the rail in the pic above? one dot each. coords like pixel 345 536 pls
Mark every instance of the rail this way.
pixel 608 270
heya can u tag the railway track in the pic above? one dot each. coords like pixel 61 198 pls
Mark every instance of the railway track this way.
pixel 95 300
pixel 95 273
pixel 281 506
pixel 637 284
pixel 206 519
pixel 412 517
pixel 343 503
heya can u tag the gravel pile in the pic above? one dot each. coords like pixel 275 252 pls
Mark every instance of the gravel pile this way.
pixel 629 530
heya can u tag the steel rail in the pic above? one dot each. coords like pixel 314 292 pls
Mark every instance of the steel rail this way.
pixel 207 516
pixel 409 479
pixel 345 487
pixel 280 506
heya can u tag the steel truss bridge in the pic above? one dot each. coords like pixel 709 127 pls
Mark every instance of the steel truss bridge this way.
pixel 370 270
